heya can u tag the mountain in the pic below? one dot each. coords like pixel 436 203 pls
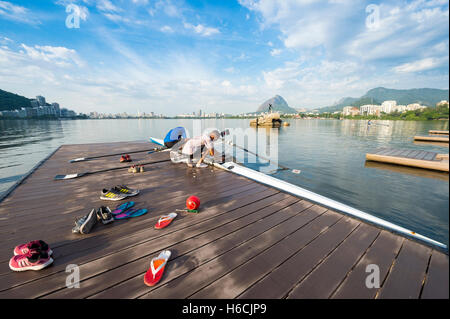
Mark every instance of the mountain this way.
pixel 10 101
pixel 425 96
pixel 278 105
pixel 338 105
pixel 428 97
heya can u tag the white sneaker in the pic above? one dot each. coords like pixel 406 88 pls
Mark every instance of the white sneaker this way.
pixel 201 165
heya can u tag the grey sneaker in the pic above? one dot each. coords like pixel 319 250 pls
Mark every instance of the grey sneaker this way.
pixel 112 195
pixel 84 224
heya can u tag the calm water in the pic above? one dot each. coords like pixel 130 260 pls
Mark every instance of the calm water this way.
pixel 329 153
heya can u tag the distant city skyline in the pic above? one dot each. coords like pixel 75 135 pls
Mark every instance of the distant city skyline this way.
pixel 177 56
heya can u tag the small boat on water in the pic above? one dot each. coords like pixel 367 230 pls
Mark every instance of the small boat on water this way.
pixel 268 120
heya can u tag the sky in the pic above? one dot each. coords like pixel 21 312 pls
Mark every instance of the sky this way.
pixel 180 56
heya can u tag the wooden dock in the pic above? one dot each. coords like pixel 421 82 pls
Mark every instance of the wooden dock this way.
pixel 248 241
pixel 409 157
pixel 438 132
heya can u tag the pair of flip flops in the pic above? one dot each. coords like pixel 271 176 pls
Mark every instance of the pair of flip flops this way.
pixel 156 270
pixel 125 211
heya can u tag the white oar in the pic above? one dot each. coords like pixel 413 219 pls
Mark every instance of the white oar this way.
pixel 298 191
pixel 295 171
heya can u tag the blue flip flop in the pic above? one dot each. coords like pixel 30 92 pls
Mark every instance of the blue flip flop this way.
pixel 122 208
pixel 131 213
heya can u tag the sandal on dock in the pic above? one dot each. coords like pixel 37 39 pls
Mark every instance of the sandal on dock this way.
pixel 156 270
pixel 121 208
pixel 131 213
pixel 165 220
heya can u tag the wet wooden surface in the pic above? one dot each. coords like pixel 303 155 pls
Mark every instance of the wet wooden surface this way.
pixel 248 241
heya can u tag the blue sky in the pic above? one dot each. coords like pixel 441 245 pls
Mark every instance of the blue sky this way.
pixel 177 56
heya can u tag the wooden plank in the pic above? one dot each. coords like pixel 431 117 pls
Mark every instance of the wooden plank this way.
pixel 281 280
pixel 421 155
pixel 382 253
pixel 413 154
pixel 382 150
pixel 391 151
pixel 441 139
pixel 186 285
pixel 408 273
pixel 430 156
pixel 431 165
pixel 437 132
pixel 234 283
pixel 404 153
pixel 396 152
pixel 408 153
pixel 326 277
pixel 436 283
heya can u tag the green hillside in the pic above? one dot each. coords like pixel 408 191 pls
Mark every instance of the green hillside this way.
pixel 425 96
pixel 10 101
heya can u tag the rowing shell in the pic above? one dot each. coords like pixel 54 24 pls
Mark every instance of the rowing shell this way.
pixel 298 191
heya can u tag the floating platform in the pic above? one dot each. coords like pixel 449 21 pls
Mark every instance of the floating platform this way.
pixel 440 139
pixel 249 240
pixel 413 158
pixel 438 132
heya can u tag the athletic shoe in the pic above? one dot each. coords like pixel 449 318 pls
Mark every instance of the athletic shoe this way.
pixel 30 261
pixel 89 222
pixel 33 247
pixel 122 189
pixel 83 225
pixel 201 165
pixel 104 215
pixel 112 195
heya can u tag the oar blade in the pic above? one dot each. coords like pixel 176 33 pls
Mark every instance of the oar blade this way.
pixel 69 176
pixel 81 159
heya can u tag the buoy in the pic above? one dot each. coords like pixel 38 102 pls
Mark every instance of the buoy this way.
pixel 192 203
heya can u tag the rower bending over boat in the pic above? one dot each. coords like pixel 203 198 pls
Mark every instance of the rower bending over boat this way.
pixel 194 147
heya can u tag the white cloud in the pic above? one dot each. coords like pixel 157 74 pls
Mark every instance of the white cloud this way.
pixel 140 2
pixel 59 56
pixel 116 17
pixel 230 70
pixel 168 8
pixel 166 29
pixel 17 13
pixel 108 6
pixel 420 65
pixel 201 29
pixel 226 83
pixel 275 52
